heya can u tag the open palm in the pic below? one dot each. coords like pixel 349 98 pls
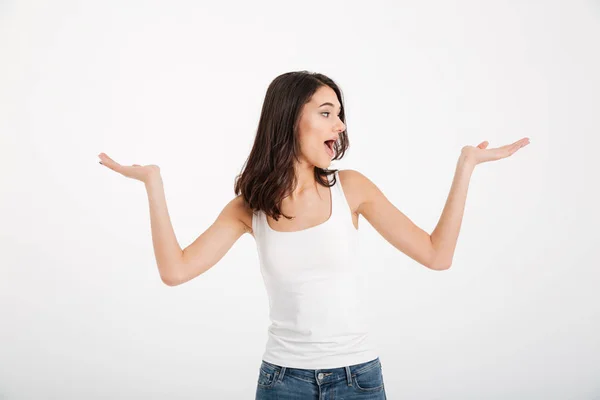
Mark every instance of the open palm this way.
pixel 140 172
pixel 480 153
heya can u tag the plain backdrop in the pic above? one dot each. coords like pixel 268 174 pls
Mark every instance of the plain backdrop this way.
pixel 180 84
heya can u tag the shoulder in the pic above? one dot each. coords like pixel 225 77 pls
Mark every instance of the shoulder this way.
pixel 240 213
pixel 357 188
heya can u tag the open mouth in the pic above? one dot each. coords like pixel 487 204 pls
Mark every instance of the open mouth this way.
pixel 329 147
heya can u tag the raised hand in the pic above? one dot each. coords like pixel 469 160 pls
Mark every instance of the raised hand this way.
pixel 141 173
pixel 481 153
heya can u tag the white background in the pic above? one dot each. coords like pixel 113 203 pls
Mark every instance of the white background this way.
pixel 83 312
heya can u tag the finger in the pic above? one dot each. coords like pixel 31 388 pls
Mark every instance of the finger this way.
pixel 483 144
pixel 521 142
pixel 106 160
pixel 109 162
pixel 511 149
pixel 500 152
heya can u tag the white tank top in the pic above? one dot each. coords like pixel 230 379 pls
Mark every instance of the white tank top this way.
pixel 317 291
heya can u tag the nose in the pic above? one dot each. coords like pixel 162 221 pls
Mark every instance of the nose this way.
pixel 341 127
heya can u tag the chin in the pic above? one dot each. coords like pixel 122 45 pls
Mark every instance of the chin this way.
pixel 322 162
pixel 324 165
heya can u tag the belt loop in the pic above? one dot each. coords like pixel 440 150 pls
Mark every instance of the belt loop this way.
pixel 281 373
pixel 348 375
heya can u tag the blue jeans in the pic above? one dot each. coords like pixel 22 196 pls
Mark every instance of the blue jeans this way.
pixel 359 381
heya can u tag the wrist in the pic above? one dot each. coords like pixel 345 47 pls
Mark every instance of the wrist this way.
pixel 466 161
pixel 154 178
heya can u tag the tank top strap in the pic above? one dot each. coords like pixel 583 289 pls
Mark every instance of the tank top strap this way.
pixel 340 202
pixel 339 208
pixel 257 223
pixel 337 195
pixel 334 194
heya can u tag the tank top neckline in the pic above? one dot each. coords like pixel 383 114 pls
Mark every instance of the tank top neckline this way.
pixel 311 228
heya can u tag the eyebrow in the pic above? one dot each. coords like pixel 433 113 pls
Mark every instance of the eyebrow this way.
pixel 327 104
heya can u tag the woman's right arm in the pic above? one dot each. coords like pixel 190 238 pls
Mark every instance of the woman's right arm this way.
pixel 167 251
pixel 178 266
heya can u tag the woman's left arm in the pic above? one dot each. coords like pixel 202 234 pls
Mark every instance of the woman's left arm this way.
pixel 434 251
pixel 445 235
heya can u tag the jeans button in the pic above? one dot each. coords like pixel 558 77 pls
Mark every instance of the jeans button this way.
pixel 320 376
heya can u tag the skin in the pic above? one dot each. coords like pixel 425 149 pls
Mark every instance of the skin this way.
pixel 310 203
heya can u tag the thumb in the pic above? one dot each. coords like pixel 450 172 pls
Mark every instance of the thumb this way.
pixel 483 144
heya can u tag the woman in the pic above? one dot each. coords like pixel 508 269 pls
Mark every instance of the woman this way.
pixel 318 342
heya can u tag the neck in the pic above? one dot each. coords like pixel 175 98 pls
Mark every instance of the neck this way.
pixel 305 180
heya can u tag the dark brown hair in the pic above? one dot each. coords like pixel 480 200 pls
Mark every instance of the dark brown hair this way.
pixel 268 174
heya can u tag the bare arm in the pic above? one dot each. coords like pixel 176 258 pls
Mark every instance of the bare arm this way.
pixel 178 266
pixel 445 235
pixel 434 251
pixel 210 247
pixel 395 227
pixel 167 251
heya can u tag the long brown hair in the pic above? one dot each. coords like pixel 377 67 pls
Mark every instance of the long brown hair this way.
pixel 268 174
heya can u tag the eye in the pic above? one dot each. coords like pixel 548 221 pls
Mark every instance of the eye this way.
pixel 327 112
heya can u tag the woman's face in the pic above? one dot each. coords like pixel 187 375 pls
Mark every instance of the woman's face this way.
pixel 319 123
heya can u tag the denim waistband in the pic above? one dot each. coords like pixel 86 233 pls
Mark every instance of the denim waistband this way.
pixel 321 375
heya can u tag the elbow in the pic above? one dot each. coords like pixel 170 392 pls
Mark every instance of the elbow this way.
pixel 170 279
pixel 438 263
pixel 440 266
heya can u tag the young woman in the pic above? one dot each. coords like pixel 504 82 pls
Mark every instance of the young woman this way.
pixel 318 342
